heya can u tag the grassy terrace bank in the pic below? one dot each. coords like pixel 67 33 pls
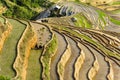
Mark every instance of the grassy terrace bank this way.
pixel 24 9
pixel 89 40
pixel 8 53
pixel 2 20
pixel 82 21
pixel 49 51
pixel 102 16
pixel 24 46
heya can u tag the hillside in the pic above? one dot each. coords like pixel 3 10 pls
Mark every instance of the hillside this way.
pixel 24 9
pixel 28 9
pixel 63 41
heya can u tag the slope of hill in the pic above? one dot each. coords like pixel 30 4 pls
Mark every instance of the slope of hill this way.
pixel 67 41
pixel 23 9
pixel 16 8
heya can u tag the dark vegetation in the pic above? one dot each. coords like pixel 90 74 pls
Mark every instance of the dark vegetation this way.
pixel 24 9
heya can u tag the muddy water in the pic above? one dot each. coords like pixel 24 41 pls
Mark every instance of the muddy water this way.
pixel 103 66
pixel 69 68
pixel 89 60
pixel 116 70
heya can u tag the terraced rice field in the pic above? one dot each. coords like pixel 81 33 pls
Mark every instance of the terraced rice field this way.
pixel 12 35
pixel 9 52
pixel 80 46
pixel 88 53
pixel 34 65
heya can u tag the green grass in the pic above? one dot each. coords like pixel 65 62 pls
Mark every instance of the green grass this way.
pixel 24 9
pixel 82 21
pixel 4 78
pixel 34 66
pixel 50 49
pixel 114 21
pixel 8 53
pixel 19 11
pixel 77 1
pixel 115 3
pixel 115 11
pixel 102 15
pixel 26 37
pixel 2 20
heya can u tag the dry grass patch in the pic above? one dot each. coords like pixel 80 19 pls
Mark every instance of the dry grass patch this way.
pixel 27 41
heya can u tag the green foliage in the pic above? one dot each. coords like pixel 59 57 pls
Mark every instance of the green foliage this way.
pixel 50 50
pixel 51 47
pixel 77 0
pixel 33 3
pixel 102 15
pixel 82 21
pixel 4 78
pixel 116 3
pixel 35 69
pixel 19 12
pixel 24 9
